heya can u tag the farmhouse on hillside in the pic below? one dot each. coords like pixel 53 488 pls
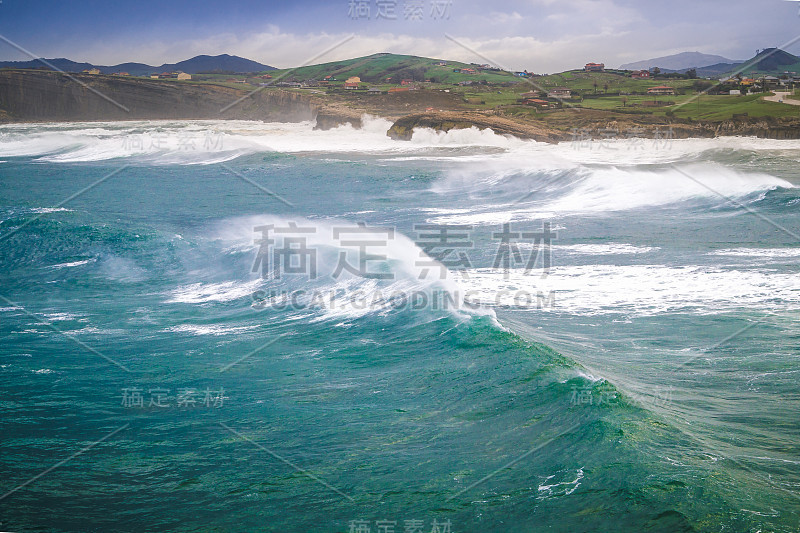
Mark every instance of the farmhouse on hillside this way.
pixel 560 92
pixel 352 82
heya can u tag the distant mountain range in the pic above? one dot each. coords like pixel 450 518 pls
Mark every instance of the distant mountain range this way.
pixel 768 61
pixel 202 63
pixel 377 67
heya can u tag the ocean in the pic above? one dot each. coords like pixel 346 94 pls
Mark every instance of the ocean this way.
pixel 240 326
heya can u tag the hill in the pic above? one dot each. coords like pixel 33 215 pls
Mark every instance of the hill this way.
pixel 202 63
pixel 676 62
pixel 774 60
pixel 770 61
pixel 61 63
pixel 224 62
pixel 377 68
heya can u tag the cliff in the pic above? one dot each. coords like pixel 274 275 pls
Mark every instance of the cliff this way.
pixel 597 126
pixel 35 95
pixel 403 128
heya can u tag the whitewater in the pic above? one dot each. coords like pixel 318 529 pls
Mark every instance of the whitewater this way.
pixel 328 327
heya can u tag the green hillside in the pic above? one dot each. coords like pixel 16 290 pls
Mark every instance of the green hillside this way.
pixel 768 62
pixel 775 71
pixel 580 81
pixel 377 67
pixel 613 92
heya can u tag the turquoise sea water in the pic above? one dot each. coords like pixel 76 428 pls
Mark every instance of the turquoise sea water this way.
pixel 641 375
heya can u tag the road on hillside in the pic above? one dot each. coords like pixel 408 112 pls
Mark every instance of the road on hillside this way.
pixel 782 98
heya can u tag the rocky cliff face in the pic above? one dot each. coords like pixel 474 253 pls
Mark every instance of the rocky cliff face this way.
pixel 404 128
pixel 332 116
pixel 768 128
pixel 595 128
pixel 30 95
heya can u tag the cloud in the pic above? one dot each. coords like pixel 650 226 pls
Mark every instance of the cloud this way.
pixel 538 35
pixel 496 17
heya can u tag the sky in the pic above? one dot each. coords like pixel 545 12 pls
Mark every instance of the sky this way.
pixel 538 35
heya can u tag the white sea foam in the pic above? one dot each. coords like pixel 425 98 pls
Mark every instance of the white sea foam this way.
pixel 210 141
pixel 600 191
pixel 343 295
pixel 759 252
pixel 209 329
pixel 602 249
pixel 72 264
pixel 189 142
pixel 639 290
pixel 63 317
pixel 226 291
pixel 551 487
pixel 45 210
pixel 635 290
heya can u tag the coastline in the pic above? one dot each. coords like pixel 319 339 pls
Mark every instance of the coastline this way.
pixel 31 96
pixel 601 128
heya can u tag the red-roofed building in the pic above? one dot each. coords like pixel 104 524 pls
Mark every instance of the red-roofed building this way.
pixel 641 75
pixel 594 67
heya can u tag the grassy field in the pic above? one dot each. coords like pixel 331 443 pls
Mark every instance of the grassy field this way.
pixel 704 107
pixel 583 82
pixel 724 107
pixel 376 68
pixel 632 102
